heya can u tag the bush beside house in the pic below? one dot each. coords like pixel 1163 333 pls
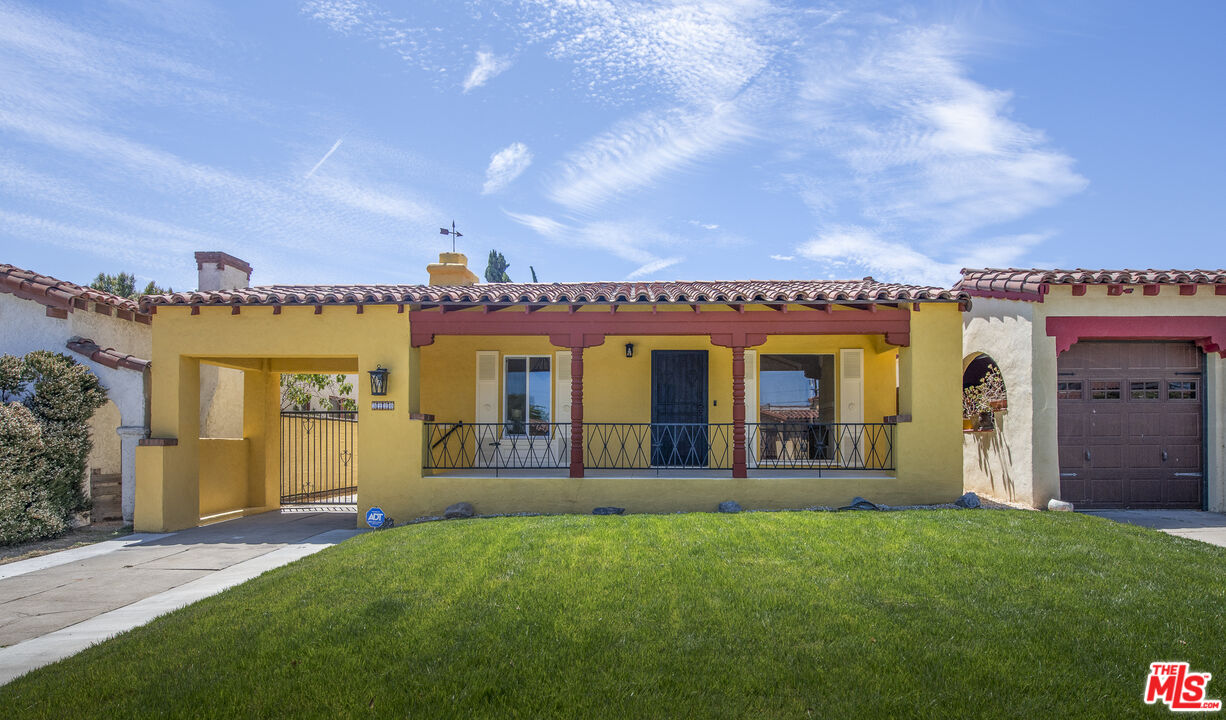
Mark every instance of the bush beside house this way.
pixel 48 399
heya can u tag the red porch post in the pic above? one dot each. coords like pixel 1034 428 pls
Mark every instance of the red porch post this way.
pixel 576 412
pixel 739 469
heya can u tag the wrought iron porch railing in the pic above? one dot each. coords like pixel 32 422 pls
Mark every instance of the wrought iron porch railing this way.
pixel 651 446
pixel 627 446
pixel 823 446
pixel 462 446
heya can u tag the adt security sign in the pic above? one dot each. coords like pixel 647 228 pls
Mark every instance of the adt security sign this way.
pixel 375 518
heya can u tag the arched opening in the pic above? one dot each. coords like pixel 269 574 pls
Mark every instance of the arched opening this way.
pixel 983 392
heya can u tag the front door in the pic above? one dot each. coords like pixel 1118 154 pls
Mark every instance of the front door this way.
pixel 679 408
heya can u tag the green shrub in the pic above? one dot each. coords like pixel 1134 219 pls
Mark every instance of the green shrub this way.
pixel 59 395
pixel 27 510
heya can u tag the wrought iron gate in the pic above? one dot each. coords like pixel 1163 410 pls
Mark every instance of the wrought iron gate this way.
pixel 319 457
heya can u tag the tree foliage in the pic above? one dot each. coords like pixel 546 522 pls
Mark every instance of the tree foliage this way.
pixel 298 389
pixel 496 268
pixel 124 285
pixel 42 474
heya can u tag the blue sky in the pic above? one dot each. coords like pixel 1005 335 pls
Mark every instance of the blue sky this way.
pixel 327 140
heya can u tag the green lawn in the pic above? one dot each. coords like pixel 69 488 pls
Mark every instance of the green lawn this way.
pixel 906 614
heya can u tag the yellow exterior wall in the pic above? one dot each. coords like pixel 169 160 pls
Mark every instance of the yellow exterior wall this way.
pixel 339 339
pixel 223 475
pixel 928 448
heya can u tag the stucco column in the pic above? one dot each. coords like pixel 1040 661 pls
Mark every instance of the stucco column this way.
pixel 576 412
pixel 739 469
pixel 129 437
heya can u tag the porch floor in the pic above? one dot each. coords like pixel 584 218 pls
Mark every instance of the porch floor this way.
pixel 664 473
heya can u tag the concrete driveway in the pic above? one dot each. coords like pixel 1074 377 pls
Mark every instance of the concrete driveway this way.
pixel 56 605
pixel 1195 524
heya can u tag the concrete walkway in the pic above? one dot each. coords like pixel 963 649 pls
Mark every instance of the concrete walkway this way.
pixel 1194 524
pixel 57 605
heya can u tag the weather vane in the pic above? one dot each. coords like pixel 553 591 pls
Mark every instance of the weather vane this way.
pixel 452 232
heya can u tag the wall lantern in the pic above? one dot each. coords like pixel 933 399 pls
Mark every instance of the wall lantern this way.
pixel 378 381
pixel 629 349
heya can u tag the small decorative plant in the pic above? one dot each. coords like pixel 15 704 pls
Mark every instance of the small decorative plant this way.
pixel 982 398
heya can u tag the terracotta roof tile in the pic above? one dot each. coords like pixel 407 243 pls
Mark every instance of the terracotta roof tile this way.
pixel 52 292
pixel 1032 284
pixel 744 291
pixel 110 357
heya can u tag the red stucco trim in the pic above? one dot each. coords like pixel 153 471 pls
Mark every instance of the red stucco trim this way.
pixel 725 328
pixel 1208 332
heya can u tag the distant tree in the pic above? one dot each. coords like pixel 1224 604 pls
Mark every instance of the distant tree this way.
pixel 297 390
pixel 533 271
pixel 124 285
pixel 496 268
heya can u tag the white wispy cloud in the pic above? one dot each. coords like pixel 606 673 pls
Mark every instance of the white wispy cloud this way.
pixel 506 165
pixel 486 66
pixel 627 240
pixel 324 159
pixel 637 153
pixel 705 226
pixel 921 141
pixel 783 258
pixel 857 250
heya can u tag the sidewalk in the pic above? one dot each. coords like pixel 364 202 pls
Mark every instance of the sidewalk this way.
pixel 1193 524
pixel 56 605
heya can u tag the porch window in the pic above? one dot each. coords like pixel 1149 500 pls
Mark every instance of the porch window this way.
pixel 526 400
pixel 796 398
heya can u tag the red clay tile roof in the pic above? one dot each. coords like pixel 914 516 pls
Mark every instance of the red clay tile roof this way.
pixel 1032 284
pixel 51 292
pixel 746 291
pixel 110 357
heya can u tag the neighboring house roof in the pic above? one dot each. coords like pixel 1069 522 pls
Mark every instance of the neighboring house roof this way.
pixel 66 296
pixel 746 291
pixel 1032 284
pixel 110 357
pixel 788 414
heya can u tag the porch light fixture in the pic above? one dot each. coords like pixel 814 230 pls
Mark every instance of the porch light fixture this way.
pixel 378 381
pixel 629 349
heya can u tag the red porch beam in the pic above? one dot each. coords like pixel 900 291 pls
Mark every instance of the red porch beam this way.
pixel 739 466
pixel 894 324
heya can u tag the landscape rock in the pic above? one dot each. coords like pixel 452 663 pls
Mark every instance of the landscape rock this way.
pixel 459 510
pixel 859 503
pixel 970 501
pixel 730 506
pixel 608 511
pixel 1059 505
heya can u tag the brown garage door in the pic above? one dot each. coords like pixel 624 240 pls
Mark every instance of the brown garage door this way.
pixel 1130 424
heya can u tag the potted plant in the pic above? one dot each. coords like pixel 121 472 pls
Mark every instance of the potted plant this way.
pixel 981 400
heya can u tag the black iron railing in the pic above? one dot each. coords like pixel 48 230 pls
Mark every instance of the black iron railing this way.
pixel 625 446
pixel 823 446
pixel 318 456
pixel 497 445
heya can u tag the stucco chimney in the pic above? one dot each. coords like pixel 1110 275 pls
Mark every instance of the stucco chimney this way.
pixel 451 269
pixel 221 271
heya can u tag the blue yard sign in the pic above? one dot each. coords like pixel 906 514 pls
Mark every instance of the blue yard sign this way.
pixel 374 518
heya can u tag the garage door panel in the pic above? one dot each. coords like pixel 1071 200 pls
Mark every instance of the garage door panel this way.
pixel 1144 455
pixel 1136 409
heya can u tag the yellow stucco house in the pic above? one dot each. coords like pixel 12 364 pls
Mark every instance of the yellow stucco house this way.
pixel 656 396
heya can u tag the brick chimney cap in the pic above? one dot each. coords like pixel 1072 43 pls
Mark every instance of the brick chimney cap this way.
pixel 222 260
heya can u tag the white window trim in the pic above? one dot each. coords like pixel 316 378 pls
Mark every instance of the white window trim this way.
pixel 502 400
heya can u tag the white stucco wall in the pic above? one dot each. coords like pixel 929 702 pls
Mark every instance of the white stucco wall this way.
pixel 26 328
pixel 1022 463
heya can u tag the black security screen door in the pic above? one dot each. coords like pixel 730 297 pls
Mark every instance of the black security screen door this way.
pixel 679 408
